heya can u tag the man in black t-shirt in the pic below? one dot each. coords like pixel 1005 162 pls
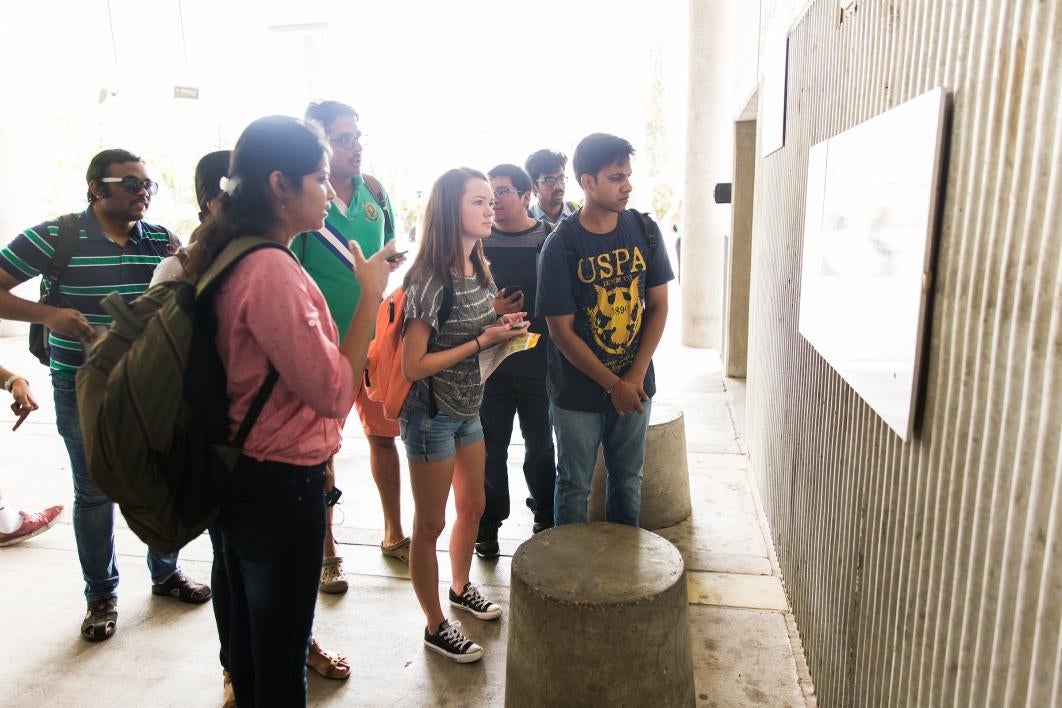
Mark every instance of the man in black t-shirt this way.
pixel 602 287
pixel 518 386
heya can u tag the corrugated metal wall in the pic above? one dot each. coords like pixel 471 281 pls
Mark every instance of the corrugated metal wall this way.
pixel 926 573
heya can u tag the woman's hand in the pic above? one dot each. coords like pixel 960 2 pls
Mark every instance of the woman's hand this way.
pixel 372 273
pixel 507 301
pixel 507 327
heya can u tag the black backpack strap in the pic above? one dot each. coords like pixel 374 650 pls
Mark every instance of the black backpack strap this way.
pixel 446 305
pixel 652 231
pixel 257 405
pixel 65 245
pixel 376 190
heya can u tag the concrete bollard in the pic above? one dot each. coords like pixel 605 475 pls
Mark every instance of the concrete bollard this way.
pixel 665 479
pixel 598 616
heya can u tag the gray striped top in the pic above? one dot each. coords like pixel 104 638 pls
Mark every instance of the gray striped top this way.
pixel 458 390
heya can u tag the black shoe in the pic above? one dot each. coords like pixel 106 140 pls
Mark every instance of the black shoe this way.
pixel 451 643
pixel 471 601
pixel 487 541
pixel 540 527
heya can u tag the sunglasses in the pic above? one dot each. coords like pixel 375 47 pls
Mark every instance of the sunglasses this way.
pixel 133 185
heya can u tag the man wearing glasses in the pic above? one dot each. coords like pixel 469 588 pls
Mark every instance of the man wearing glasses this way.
pixel 111 248
pixel 360 212
pixel 546 169
pixel 518 386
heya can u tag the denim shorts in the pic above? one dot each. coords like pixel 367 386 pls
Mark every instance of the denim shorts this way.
pixel 435 439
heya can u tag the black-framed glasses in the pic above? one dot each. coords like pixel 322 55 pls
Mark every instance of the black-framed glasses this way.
pixel 133 185
pixel 505 191
pixel 347 140
pixel 551 180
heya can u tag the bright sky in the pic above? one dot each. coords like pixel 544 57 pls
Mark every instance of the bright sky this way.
pixel 438 84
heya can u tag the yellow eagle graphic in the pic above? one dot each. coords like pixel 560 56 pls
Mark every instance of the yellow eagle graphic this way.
pixel 616 317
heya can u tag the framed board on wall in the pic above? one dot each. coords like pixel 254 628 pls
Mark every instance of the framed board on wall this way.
pixel 869 237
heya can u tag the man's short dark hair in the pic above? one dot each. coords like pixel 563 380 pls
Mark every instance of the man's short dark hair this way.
pixel 325 113
pixel 597 151
pixel 521 181
pixel 208 173
pixel 97 168
pixel 543 162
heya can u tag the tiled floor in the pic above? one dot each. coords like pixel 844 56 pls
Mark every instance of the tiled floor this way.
pixel 165 654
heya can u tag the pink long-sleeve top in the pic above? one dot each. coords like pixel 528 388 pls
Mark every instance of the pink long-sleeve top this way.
pixel 270 310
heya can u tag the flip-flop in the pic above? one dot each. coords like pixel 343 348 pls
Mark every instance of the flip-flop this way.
pixel 398 550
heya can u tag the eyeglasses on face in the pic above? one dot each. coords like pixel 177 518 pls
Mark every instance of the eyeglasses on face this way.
pixel 505 191
pixel 551 180
pixel 133 185
pixel 347 140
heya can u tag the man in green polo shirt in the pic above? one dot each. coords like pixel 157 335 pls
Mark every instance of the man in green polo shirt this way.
pixel 360 212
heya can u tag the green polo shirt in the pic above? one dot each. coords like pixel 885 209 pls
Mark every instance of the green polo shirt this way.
pixel 325 255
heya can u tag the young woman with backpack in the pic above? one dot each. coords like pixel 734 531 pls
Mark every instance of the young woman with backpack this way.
pixel 272 317
pixel 449 283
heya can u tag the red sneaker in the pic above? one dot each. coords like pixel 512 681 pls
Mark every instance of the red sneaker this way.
pixel 32 524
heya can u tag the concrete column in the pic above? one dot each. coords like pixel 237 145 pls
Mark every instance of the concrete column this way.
pixel 709 159
pixel 739 271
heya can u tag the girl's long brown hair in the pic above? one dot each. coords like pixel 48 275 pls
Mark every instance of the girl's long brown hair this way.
pixel 441 252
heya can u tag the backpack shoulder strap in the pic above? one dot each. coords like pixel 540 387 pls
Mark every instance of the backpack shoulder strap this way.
pixel 230 256
pixel 376 190
pixel 257 405
pixel 446 305
pixel 65 245
pixel 652 231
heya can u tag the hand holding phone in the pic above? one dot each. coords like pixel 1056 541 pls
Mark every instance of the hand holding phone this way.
pixel 397 255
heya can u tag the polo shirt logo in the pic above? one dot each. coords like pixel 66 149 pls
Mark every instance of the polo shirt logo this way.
pixel 371 212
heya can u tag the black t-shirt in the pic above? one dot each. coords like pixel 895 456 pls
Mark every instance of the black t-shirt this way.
pixel 603 284
pixel 513 264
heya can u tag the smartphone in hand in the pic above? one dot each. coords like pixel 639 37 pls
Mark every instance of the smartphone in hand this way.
pixel 395 256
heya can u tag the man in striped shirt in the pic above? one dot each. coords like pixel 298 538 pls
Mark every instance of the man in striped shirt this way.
pixel 116 250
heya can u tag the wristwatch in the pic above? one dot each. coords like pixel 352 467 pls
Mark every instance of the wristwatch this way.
pixel 11 382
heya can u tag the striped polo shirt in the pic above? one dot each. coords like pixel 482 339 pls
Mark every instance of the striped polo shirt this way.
pixel 97 268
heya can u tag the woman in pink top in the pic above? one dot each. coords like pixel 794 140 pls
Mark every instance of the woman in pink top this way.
pixel 271 314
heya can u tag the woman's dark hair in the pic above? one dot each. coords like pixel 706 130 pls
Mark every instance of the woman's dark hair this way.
pixel 208 173
pixel 441 253
pixel 282 144
pixel 325 113
pixel 597 151
pixel 99 164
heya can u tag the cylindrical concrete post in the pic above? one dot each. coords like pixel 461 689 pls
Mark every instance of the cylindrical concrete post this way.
pixel 665 476
pixel 598 616
pixel 709 159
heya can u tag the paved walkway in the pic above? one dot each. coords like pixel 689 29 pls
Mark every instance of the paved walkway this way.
pixel 165 653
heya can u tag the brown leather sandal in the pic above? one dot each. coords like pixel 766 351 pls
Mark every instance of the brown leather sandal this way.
pixel 183 588
pixel 331 666
pixel 101 619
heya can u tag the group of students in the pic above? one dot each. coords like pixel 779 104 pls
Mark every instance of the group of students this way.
pixel 598 285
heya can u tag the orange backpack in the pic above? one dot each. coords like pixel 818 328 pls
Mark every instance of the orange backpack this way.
pixel 384 380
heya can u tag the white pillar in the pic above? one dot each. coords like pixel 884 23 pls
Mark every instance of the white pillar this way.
pixel 709 159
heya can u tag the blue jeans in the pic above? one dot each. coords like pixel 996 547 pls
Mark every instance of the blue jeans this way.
pixel 622 438
pixel 429 439
pixel 505 396
pixel 93 511
pixel 272 533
